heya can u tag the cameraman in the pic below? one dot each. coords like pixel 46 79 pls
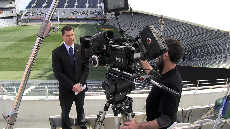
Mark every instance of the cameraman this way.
pixel 162 106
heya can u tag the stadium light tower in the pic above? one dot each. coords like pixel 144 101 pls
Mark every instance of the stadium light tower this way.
pixel 17 6
pixel 76 4
pixel 100 4
pixel 87 4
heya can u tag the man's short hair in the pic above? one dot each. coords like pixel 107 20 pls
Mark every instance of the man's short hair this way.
pixel 66 28
pixel 175 50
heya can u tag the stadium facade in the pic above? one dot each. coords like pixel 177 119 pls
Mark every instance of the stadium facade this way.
pixel 8 15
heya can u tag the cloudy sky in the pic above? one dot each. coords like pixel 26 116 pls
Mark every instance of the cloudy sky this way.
pixel 212 13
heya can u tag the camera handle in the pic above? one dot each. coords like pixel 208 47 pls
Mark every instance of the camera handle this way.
pixel 121 31
pixel 124 108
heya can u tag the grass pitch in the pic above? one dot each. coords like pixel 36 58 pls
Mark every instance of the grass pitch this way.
pixel 16 44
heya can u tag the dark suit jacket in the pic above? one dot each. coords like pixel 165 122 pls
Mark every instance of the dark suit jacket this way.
pixel 64 69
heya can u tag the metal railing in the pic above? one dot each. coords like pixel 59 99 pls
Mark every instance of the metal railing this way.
pixel 50 87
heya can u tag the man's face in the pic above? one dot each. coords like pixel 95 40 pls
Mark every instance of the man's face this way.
pixel 160 63
pixel 69 37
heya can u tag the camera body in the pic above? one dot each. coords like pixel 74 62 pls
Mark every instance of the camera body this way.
pixel 105 50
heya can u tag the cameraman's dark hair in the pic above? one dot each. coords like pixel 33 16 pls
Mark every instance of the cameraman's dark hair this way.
pixel 175 50
pixel 66 28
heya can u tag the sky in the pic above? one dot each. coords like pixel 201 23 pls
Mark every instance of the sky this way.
pixel 210 13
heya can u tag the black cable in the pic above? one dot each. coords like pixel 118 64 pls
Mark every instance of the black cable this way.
pixel 119 25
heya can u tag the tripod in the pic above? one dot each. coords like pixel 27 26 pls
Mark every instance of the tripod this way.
pixel 123 107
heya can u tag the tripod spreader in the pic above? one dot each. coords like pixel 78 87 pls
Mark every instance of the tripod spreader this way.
pixel 123 107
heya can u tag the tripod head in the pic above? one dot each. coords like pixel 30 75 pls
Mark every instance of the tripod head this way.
pixel 117 86
pixel 123 107
pixel 116 90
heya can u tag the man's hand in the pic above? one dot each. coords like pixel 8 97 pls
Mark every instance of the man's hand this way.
pixel 130 125
pixel 146 66
pixel 77 88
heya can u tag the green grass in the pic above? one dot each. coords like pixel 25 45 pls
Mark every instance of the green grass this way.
pixel 16 45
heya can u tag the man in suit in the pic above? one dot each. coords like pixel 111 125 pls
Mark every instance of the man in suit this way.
pixel 71 69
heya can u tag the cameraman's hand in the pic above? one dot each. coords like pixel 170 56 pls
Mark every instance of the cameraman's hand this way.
pixel 130 125
pixel 77 88
pixel 146 66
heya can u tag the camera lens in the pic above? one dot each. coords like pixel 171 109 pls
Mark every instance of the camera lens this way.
pixel 94 61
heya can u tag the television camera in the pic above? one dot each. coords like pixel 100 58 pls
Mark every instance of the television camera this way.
pixel 122 54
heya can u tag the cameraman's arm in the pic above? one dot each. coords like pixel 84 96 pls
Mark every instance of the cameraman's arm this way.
pixel 145 125
pixel 162 121
pixel 146 66
pixel 148 125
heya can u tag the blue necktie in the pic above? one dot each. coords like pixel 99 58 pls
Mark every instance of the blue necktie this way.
pixel 71 53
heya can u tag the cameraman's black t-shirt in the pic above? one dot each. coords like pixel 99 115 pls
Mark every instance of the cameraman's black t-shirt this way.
pixel 162 105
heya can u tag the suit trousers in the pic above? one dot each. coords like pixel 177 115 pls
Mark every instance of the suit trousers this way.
pixel 66 105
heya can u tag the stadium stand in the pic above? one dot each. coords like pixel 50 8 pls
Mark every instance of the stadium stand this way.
pixel 65 4
pixel 204 47
pixel 67 11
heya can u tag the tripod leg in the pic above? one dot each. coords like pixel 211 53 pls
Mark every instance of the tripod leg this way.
pixel 128 116
pixel 100 120
pixel 127 112
pixel 101 117
pixel 117 122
